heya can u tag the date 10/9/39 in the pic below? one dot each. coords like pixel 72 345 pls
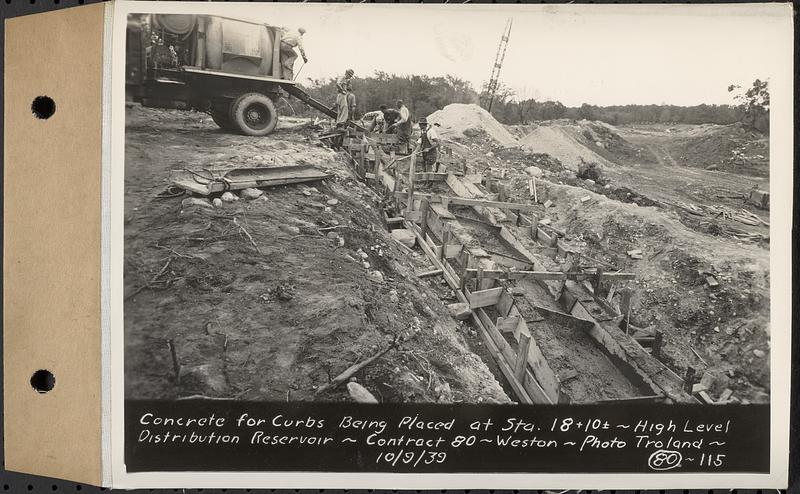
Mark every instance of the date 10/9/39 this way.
pixel 413 458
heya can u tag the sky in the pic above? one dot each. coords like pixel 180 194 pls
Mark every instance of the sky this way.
pixel 596 54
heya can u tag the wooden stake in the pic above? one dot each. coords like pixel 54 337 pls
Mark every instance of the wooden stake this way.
pixel 535 195
pixel 522 356
pixel 424 211
pixel 176 365
pixel 688 381
pixel 657 341
pixel 445 240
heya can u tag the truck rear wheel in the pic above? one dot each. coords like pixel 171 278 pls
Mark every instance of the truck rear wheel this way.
pixel 254 114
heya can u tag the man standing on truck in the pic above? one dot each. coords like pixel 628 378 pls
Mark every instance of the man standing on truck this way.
pixel 345 99
pixel 428 143
pixel 291 39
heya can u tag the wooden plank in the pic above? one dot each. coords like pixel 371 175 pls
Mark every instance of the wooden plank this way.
pixel 473 202
pixel 430 177
pixel 548 275
pixel 442 211
pixel 505 304
pixel 485 298
pixel 411 215
pixel 427 274
pixel 507 324
pixel 522 356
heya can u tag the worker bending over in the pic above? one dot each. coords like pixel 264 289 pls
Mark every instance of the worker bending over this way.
pixel 428 143
pixel 291 39
pixel 376 121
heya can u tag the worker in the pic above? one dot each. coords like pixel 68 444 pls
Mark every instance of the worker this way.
pixel 403 124
pixel 291 39
pixel 390 116
pixel 345 104
pixel 376 120
pixel 428 144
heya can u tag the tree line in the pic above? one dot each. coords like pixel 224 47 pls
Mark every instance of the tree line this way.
pixel 424 95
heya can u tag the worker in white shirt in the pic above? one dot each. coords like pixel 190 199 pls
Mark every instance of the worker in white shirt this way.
pixel 428 144
pixel 403 124
pixel 345 99
pixel 291 39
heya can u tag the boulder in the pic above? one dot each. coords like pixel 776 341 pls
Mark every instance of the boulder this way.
pixel 333 202
pixel 405 237
pixel 375 275
pixel 459 311
pixel 217 202
pixel 360 394
pixel 195 201
pixel 291 230
pixel 228 197
pixel 250 193
pixel 534 171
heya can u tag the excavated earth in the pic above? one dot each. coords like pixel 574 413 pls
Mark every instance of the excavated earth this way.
pixel 269 299
pixel 722 331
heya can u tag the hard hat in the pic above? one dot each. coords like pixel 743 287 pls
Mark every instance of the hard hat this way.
pixel 301 30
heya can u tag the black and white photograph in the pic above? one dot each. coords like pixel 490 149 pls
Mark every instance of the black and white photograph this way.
pixel 511 208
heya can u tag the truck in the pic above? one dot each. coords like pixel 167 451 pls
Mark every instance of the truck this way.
pixel 229 68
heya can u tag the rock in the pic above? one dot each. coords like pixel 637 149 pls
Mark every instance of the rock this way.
pixel 195 201
pixel 307 193
pixel 333 202
pixel 365 264
pixel 759 353
pixel 332 234
pixel 228 197
pixel 291 230
pixel 459 311
pixel 250 193
pixel 205 379
pixel 375 276
pixel 393 298
pixel 316 205
pixel 280 146
pixel 589 181
pixel 363 254
pixel 262 198
pixel 359 393
pixel 313 190
pixel 405 237
pixel 534 171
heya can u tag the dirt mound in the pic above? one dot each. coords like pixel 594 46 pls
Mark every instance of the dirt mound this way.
pixel 575 142
pixel 463 120
pixel 562 141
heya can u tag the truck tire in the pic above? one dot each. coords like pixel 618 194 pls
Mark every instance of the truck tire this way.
pixel 222 117
pixel 254 114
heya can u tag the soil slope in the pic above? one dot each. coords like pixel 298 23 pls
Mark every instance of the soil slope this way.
pixel 271 298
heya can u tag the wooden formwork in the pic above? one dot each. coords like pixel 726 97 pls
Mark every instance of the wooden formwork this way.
pixel 476 280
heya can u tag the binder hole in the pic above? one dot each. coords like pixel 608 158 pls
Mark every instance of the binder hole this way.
pixel 43 380
pixel 43 107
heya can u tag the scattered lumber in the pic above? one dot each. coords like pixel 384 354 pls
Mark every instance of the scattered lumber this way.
pixel 350 371
pixel 428 274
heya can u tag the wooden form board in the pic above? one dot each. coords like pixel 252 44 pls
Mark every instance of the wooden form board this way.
pixel 471 202
pixel 52 243
pixel 548 275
